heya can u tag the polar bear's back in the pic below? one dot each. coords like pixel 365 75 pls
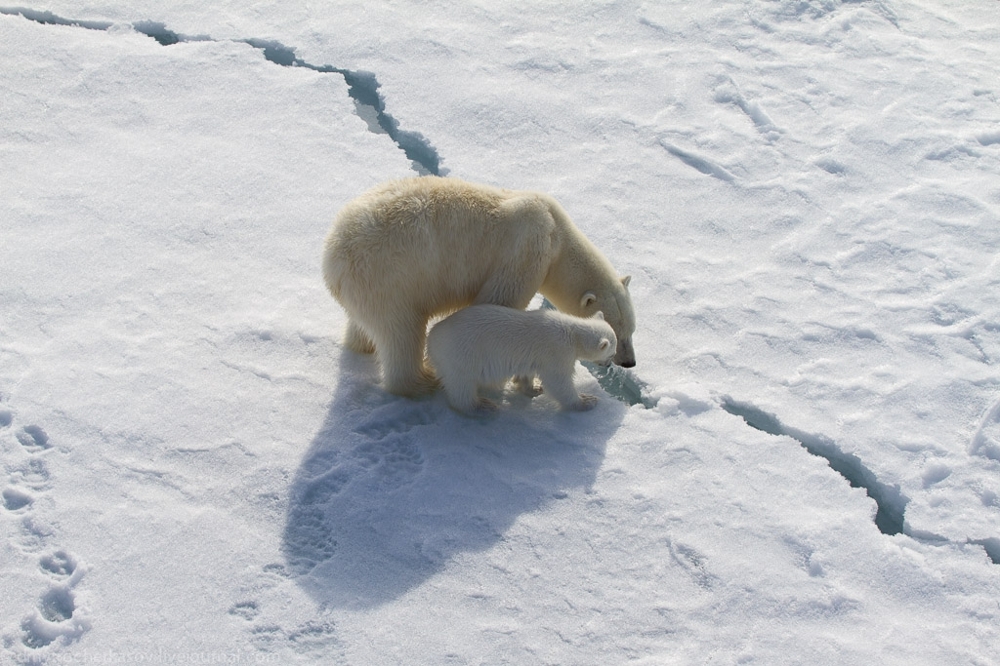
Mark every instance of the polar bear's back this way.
pixel 429 238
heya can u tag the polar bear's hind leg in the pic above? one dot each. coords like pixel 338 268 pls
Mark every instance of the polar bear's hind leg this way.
pixel 357 340
pixel 400 350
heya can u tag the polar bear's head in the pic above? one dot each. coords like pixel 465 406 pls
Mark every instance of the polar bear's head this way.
pixel 596 340
pixel 616 305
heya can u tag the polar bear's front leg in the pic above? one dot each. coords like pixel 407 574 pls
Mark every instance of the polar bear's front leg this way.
pixel 507 289
pixel 525 258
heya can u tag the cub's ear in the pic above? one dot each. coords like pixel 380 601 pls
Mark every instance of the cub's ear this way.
pixel 588 299
pixel 598 315
pixel 626 280
pixel 605 343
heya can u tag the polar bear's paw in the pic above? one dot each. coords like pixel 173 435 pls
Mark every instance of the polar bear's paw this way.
pixel 427 383
pixel 485 407
pixel 421 384
pixel 585 403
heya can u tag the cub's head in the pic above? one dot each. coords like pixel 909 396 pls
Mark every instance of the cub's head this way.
pixel 596 340
pixel 615 304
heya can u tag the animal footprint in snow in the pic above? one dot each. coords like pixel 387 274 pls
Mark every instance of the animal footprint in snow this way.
pixel 386 422
pixel 276 569
pixel 33 439
pixel 693 562
pixel 59 564
pixel 33 534
pixel 56 616
pixel 396 452
pixel 247 610
pixel 315 637
pixel 391 449
pixel 57 605
pixel 34 474
pixel 15 500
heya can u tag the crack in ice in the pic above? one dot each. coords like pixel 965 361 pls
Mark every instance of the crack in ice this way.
pixel 362 86
pixel 48 18
pixel 621 384
pixel 891 503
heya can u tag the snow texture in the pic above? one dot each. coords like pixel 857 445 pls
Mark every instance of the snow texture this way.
pixel 804 466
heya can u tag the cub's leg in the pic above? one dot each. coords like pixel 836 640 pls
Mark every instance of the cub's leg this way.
pixel 526 385
pixel 463 395
pixel 558 383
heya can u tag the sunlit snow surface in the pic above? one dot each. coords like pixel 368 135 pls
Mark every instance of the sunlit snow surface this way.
pixel 804 466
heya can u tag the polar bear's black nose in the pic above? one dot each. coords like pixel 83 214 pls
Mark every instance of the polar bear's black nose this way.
pixel 628 364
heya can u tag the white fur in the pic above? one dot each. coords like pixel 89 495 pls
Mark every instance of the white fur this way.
pixel 411 249
pixel 485 345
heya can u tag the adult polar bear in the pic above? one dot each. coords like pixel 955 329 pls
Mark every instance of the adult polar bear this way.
pixel 411 249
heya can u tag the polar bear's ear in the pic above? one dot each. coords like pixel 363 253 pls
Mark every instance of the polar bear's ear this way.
pixel 588 299
pixel 626 280
pixel 598 315
pixel 605 343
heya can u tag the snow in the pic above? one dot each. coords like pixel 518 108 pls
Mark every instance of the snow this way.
pixel 804 191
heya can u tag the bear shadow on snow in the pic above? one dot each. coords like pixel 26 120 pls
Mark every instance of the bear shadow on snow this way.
pixel 391 489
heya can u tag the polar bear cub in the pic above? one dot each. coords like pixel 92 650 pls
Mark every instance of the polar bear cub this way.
pixel 485 345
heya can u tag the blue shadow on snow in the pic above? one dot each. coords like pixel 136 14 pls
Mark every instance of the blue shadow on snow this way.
pixel 391 490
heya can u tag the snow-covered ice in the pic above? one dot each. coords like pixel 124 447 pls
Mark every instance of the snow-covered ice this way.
pixel 806 193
